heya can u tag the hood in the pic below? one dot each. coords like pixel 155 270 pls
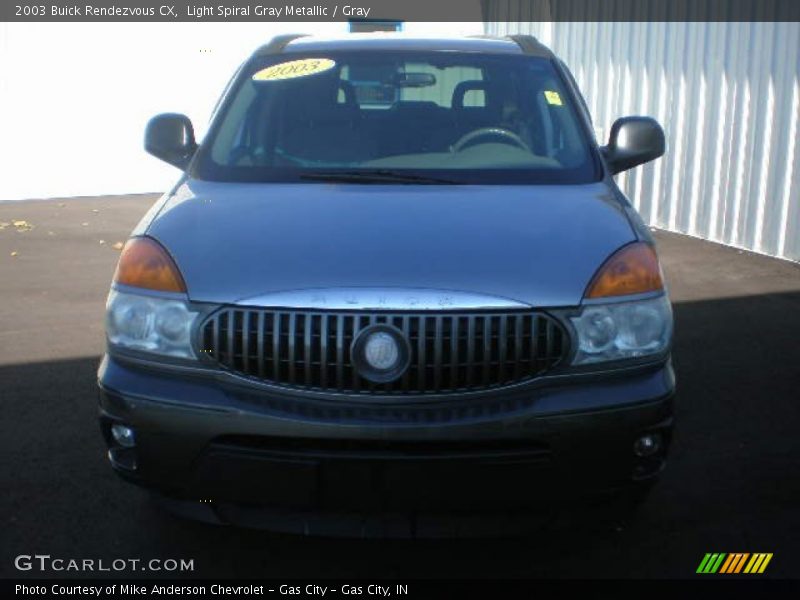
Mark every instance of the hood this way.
pixel 536 245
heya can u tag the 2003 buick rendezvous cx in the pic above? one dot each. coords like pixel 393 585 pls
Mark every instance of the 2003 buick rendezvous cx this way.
pixel 395 282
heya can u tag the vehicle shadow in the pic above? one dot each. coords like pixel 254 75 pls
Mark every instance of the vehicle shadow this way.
pixel 730 485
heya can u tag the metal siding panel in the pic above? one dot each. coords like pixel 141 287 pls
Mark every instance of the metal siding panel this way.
pixel 724 199
pixel 727 96
pixel 790 241
pixel 695 106
pixel 637 88
pixel 784 119
pixel 676 133
pixel 714 134
pixel 756 136
pixel 742 129
pixel 763 170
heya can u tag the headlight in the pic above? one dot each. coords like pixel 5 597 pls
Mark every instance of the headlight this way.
pixel 622 330
pixel 150 324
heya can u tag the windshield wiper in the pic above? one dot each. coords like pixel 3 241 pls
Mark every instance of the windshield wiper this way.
pixel 379 176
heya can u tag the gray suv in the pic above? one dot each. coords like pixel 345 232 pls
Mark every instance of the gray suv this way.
pixel 396 286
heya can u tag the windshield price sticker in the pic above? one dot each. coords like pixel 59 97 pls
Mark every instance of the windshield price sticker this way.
pixel 294 68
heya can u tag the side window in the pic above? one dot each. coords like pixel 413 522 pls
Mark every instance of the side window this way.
pixel 578 92
pixel 475 98
pixel 234 130
pixel 563 136
pixel 224 93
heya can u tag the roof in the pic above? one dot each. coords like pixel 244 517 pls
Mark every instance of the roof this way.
pixel 295 43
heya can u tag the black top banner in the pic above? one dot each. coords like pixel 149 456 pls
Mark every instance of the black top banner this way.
pixel 399 10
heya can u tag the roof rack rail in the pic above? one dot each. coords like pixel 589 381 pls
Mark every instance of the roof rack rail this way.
pixel 527 43
pixel 278 43
pixel 530 45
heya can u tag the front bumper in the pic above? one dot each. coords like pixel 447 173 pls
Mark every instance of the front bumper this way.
pixel 214 442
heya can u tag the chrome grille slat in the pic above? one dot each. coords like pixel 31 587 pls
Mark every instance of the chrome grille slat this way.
pixel 356 327
pixel 407 334
pixel 292 347
pixel 487 349
pixel 451 352
pixel 470 348
pixel 323 351
pixel 215 340
pixel 230 333
pixel 340 352
pixel 276 353
pixel 260 344
pixel 454 349
pixel 308 364
pixel 518 320
pixel 501 342
pixel 437 354
pixel 549 339
pixel 421 343
pixel 246 342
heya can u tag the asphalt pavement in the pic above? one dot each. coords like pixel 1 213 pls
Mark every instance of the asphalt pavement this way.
pixel 732 484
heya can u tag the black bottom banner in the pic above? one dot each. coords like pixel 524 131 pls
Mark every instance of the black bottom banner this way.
pixel 411 589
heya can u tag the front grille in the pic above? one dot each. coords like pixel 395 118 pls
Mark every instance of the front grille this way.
pixel 450 352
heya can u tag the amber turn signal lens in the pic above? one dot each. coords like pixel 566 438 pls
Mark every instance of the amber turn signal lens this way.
pixel 145 264
pixel 632 270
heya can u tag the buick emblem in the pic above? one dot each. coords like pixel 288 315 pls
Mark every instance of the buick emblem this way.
pixel 381 353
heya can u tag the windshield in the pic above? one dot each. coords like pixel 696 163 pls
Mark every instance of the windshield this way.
pixel 398 117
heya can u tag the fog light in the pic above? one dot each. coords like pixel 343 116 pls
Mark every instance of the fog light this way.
pixel 647 445
pixel 123 435
pixel 123 458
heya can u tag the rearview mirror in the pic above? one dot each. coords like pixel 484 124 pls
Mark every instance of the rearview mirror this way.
pixel 632 142
pixel 170 137
pixel 413 80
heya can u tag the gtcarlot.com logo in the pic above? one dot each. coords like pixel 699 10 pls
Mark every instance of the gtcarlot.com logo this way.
pixel 734 563
pixel 45 562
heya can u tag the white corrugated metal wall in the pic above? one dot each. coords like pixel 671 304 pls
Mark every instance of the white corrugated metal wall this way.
pixel 728 97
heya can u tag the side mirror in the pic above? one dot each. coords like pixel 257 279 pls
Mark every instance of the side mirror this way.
pixel 632 142
pixel 170 137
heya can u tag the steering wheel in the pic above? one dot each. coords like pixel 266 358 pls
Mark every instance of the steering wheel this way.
pixel 504 135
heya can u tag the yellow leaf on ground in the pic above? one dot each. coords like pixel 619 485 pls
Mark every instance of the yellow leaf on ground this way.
pixel 22 225
pixel 14 253
pixel 118 246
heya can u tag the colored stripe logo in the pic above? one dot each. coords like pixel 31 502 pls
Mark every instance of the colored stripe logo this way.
pixel 734 563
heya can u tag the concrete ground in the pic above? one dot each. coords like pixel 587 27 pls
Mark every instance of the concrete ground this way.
pixel 732 484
